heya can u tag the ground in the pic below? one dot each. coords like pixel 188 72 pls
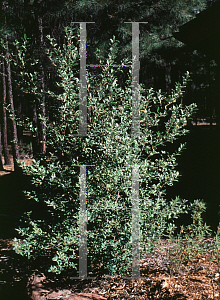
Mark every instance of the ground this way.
pixel 10 168
pixel 156 284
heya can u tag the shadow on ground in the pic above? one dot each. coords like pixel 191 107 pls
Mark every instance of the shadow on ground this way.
pixel 12 202
pixel 13 267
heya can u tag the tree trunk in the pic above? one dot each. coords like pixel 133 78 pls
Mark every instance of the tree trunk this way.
pixel 4 116
pixel 217 106
pixel 1 163
pixel 15 150
pixel 35 135
pixel 168 77
pixel 42 106
pixel 43 114
pixel 20 128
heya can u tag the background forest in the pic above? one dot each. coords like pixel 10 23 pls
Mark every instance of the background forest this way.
pixel 163 60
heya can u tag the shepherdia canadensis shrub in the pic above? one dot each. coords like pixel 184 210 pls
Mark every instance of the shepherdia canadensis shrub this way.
pixel 112 150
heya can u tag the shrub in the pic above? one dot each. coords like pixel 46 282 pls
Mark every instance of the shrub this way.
pixel 191 242
pixel 113 150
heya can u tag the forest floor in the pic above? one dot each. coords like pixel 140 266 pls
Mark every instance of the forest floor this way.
pixel 156 283
pixel 10 168
pixel 195 280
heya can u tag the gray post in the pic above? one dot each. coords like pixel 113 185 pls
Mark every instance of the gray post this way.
pixel 135 80
pixel 135 223
pixel 83 224
pixel 82 227
pixel 135 132
pixel 83 83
